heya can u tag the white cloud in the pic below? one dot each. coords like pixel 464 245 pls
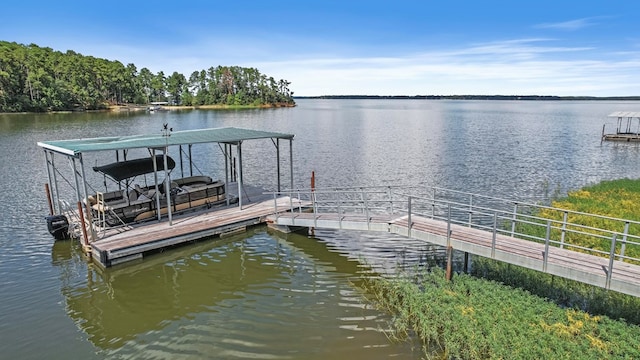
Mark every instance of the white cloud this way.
pixel 510 67
pixel 571 25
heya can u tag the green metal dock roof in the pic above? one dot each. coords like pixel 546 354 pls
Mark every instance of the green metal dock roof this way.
pixel 228 135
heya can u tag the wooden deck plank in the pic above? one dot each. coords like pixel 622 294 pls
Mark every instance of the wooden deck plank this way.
pixel 184 228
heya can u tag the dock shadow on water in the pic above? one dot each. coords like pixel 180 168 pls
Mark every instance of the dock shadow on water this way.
pixel 258 295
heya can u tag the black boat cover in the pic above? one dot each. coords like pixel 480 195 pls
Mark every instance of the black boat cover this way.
pixel 121 170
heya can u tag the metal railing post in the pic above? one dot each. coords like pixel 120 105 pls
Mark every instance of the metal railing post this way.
pixel 624 241
pixel 513 220
pixel 449 226
pixel 495 231
pixel 470 208
pixel 409 223
pixel 564 229
pixel 433 204
pixel 612 255
pixel 366 208
pixel 390 199
pixel 545 259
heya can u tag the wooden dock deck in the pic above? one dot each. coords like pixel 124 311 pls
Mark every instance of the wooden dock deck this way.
pixel 132 242
pixel 621 137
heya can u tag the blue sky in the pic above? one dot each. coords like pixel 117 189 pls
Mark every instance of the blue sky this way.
pixel 359 47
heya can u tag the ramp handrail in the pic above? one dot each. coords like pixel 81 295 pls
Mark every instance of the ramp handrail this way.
pixel 600 235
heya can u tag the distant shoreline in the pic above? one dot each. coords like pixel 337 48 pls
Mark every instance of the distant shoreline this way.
pixel 134 107
pixel 473 97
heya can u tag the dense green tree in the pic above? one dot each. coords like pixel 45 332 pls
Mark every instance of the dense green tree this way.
pixel 175 85
pixel 34 78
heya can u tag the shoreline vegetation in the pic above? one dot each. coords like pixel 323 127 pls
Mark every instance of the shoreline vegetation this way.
pixel 137 107
pixel 505 311
pixel 39 79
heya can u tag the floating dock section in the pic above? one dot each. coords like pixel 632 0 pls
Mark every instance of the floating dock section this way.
pixel 121 246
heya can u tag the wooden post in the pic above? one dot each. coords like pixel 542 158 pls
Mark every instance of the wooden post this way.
pixel 85 238
pixel 48 191
pixel 466 263
pixel 449 261
pixel 313 180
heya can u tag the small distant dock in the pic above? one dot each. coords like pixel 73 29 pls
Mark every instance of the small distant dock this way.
pixel 625 131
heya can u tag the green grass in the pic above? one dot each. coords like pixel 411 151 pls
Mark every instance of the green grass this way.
pixel 471 318
pixel 616 199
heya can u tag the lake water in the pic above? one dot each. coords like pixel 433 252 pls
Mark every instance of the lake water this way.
pixel 262 295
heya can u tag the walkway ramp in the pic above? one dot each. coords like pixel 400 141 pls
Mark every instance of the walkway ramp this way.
pixel 472 227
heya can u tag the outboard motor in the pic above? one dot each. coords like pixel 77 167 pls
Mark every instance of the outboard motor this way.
pixel 58 226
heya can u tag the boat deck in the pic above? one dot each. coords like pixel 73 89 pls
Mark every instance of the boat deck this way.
pixel 123 244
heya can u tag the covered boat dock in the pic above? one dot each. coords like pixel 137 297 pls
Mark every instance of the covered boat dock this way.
pixel 625 130
pixel 112 244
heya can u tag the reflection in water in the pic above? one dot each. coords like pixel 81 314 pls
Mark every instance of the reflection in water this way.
pixel 251 296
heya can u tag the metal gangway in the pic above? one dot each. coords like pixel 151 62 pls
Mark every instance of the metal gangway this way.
pixel 551 240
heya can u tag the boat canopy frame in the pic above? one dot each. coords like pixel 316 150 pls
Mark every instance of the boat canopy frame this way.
pixel 229 136
pixel 629 115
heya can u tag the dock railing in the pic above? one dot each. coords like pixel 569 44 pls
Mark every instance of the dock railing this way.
pixel 593 234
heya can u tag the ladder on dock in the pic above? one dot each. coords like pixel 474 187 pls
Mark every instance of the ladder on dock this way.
pixel 505 230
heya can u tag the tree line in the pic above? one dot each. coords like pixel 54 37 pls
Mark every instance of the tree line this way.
pixel 39 79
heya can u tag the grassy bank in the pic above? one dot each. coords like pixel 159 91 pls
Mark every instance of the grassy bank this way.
pixel 505 311
pixel 615 199
pixel 471 318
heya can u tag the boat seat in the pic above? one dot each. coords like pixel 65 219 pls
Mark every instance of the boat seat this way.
pixel 132 195
pixel 148 195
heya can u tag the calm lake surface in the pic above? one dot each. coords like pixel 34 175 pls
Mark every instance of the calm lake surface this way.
pixel 262 295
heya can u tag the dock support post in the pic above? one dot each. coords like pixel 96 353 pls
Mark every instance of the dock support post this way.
pixel 155 181
pixel 449 247
pixel 278 162
pixel 190 161
pixel 226 170
pixel 466 263
pixel 48 192
pixel 449 261
pixel 167 186
pixel 52 205
pixel 291 161
pixel 56 190
pixel 87 206
pixel 240 180
pixel 85 236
